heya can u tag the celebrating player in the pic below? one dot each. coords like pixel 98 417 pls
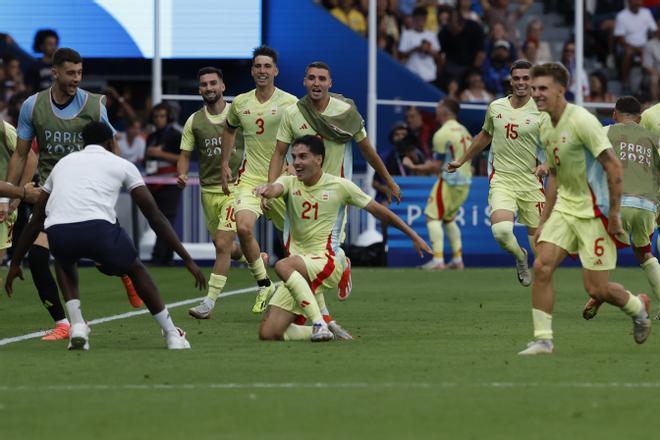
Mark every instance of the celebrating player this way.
pixel 314 200
pixel 450 190
pixel 56 117
pixel 336 120
pixel 77 208
pixel 578 217
pixel 637 149
pixel 257 113
pixel 512 125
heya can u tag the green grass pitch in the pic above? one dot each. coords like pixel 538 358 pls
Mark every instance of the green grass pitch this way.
pixel 434 356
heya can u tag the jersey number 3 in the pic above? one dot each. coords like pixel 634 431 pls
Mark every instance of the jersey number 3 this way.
pixel 260 124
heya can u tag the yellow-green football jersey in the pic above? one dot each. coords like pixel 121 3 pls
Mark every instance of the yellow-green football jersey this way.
pixel 338 157
pixel 449 143
pixel 7 146
pixel 259 122
pixel 572 147
pixel 315 214
pixel 651 121
pixel 516 146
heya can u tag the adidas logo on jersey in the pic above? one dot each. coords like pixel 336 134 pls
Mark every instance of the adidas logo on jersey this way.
pixel 499 116
pixel 304 304
pixel 297 193
pixel 598 262
pixel 246 112
pixel 304 127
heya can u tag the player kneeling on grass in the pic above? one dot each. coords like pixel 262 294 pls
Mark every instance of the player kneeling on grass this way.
pixel 76 207
pixel 313 202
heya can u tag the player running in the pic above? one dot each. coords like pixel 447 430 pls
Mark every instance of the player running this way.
pixel 257 113
pixel 637 150
pixel 450 190
pixel 334 119
pixel 582 209
pixel 56 117
pixel 314 200
pixel 512 126
pixel 77 208
pixel 651 120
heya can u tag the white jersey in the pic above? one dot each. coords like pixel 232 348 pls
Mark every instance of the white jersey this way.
pixel 85 186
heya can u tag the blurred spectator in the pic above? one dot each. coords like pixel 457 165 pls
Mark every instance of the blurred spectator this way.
pixel 131 142
pixel 534 35
pixel 431 14
pixel 598 89
pixel 11 81
pixel 40 75
pixel 651 63
pixel 475 89
pixel 14 107
pixel 495 69
pixel 160 160
pixel 421 128
pixel 350 15
pixel 420 48
pixel 462 42
pixel 388 29
pixel 497 33
pixel 468 13
pixel 631 31
pixel 568 60
pixel 602 24
pixel 120 111
pixel 530 52
pixel 497 11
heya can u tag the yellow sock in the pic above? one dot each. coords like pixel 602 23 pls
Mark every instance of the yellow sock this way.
pixel 542 324
pixel 216 284
pixel 634 305
pixel 437 238
pixel 298 333
pixel 454 236
pixel 258 269
pixel 304 297
pixel 532 245
pixel 503 233
pixel 652 270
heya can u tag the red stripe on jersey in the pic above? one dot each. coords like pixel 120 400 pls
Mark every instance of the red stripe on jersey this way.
pixel 618 243
pixel 328 269
pixel 241 170
pixel 492 172
pixel 438 200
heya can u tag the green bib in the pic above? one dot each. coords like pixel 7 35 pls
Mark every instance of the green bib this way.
pixel 5 152
pixel 58 137
pixel 207 141
pixel 635 147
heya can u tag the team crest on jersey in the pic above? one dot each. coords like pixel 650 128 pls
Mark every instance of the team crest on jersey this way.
pixel 325 196
pixel 564 136
pixel 527 121
pixel 273 110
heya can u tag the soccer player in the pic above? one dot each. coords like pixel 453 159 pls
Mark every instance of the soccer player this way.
pixel 56 117
pixel 77 209
pixel 512 125
pixel 637 150
pixel 8 213
pixel 314 200
pixel 203 132
pixel 651 120
pixel 336 120
pixel 450 190
pixel 257 113
pixel 578 217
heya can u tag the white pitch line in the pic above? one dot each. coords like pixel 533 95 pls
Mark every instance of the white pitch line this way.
pixel 326 385
pixel 173 305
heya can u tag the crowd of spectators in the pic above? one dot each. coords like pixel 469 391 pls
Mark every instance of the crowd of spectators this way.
pixel 446 42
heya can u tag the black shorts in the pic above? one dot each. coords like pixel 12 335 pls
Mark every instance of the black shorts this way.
pixel 105 243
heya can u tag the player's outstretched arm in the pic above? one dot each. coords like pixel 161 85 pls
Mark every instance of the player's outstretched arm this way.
pixel 228 138
pixel 383 214
pixel 17 161
pixel 182 167
pixel 269 190
pixel 163 229
pixel 277 161
pixel 614 171
pixel 479 142
pixel 369 153
pixel 29 234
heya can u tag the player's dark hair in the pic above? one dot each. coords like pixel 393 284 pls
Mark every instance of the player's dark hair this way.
pixel 317 65
pixel 629 105
pixel 264 50
pixel 314 143
pixel 452 105
pixel 556 71
pixel 97 133
pixel 420 11
pixel 520 64
pixel 41 36
pixel 209 69
pixel 65 54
